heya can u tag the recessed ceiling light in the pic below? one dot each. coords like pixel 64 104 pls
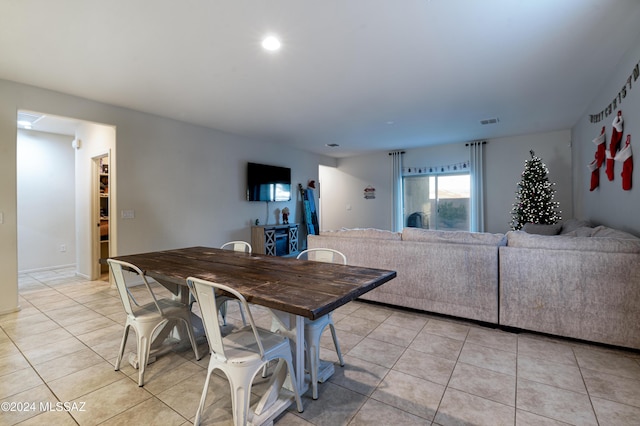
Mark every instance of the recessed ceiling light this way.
pixel 271 43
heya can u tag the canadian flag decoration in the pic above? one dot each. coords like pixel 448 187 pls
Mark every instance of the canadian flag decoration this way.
pixel 625 155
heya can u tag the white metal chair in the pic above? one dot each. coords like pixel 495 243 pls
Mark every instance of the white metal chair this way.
pixel 313 328
pixel 241 354
pixel 237 246
pixel 148 318
pixel 241 246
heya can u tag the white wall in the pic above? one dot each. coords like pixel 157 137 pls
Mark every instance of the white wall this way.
pixel 505 157
pixel 95 140
pixel 342 202
pixel 46 198
pixel 185 183
pixel 609 204
pixel 8 201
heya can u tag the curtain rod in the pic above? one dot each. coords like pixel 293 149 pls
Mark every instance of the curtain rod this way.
pixel 469 143
pixel 396 152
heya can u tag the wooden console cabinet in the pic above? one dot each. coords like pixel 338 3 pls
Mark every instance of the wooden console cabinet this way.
pixel 275 240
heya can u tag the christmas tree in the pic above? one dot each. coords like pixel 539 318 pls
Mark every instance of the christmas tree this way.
pixel 534 197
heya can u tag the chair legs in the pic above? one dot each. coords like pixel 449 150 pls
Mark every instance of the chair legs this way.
pixel 192 336
pixel 122 345
pixel 144 339
pixel 313 333
pixel 335 343
pixel 196 421
pixel 144 347
pixel 241 394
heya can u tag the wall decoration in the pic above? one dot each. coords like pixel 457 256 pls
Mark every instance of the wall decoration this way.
pixel 369 193
pixel 625 155
pixel 428 170
pixel 617 100
pixel 614 143
pixel 597 162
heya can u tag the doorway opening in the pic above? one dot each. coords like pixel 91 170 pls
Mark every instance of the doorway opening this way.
pixel 56 223
pixel 101 210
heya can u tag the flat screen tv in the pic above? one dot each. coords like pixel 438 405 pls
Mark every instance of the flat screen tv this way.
pixel 268 183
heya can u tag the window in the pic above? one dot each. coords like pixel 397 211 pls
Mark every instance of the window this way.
pixel 437 201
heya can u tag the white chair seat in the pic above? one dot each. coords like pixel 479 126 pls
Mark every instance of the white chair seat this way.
pixel 168 306
pixel 241 345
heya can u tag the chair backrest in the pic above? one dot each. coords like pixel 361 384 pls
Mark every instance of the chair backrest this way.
pixel 117 269
pixel 205 292
pixel 237 246
pixel 326 255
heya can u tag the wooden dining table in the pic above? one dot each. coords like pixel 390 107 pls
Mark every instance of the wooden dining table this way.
pixel 292 289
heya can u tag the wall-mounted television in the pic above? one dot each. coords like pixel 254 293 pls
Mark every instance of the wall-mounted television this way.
pixel 268 183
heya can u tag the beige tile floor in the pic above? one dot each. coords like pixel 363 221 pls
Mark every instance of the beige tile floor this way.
pixel 401 368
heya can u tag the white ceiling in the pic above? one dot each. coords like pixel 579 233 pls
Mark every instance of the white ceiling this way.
pixel 365 74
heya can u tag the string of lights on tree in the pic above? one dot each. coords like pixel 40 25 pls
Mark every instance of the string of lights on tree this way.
pixel 428 170
pixel 534 197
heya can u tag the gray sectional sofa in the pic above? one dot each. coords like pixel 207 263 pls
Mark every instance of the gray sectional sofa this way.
pixel 451 273
pixel 578 281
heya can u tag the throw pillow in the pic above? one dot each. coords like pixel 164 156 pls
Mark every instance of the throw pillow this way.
pixel 537 228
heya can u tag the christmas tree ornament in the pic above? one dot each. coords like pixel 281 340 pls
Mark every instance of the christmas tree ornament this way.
pixel 625 155
pixel 614 144
pixel 534 197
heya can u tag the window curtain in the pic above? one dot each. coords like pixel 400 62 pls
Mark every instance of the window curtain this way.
pixel 397 214
pixel 476 167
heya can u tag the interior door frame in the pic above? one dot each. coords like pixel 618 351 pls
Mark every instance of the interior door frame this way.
pixel 95 213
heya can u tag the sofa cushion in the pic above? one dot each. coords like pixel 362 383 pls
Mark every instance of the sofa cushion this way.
pixel 454 237
pixel 583 231
pixel 541 229
pixel 571 225
pixel 604 232
pixel 380 234
pixel 611 245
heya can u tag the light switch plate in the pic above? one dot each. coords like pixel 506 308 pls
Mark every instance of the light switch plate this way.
pixel 127 214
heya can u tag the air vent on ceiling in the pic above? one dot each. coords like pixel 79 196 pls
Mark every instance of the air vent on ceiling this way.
pixel 489 121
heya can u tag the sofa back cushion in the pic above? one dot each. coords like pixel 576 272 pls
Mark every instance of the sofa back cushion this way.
pixel 452 237
pixel 571 225
pixel 380 234
pixel 604 232
pixel 611 245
